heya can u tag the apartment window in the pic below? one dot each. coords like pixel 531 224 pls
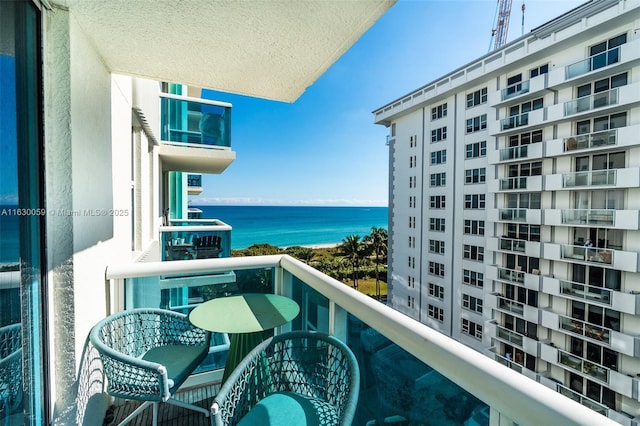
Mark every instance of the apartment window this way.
pixel 542 69
pixel 438 179
pixel 436 313
pixel 436 268
pixel 596 87
pixel 439 111
pixel 411 281
pixel 413 140
pixel 525 138
pixel 526 169
pixel 605 122
pixel 527 200
pixel 520 326
pixel 410 302
pixel 471 328
pixel 412 201
pixel 413 182
pixel 473 278
pixel 412 242
pixel 472 303
pixel 472 252
pixel 521 294
pixel 412 262
pixel 474 227
pixel 413 161
pixel 436 224
pixel 412 221
pixel 612 199
pixel 523 263
pixel 474 201
pixel 475 175
pixel 613 57
pixel 477 123
pixel 437 201
pixel 436 246
pixel 477 149
pixel 436 291
pixel 604 161
pixel 393 129
pixel 596 315
pixel 526 107
pixel 439 157
pixel 438 135
pixel 476 98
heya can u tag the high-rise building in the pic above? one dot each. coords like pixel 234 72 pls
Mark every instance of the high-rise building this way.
pixel 515 199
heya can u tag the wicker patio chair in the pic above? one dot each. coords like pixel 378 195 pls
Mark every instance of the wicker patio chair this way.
pixel 147 354
pixel 297 378
pixel 10 370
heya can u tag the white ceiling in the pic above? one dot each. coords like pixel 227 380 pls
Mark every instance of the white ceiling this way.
pixel 263 48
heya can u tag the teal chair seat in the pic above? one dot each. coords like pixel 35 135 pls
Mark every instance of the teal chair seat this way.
pixel 291 409
pixel 179 360
pixel 293 379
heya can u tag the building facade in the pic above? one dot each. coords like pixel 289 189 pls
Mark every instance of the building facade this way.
pixel 514 200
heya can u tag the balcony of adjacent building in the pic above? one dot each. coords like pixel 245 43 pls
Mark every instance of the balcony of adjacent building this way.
pixel 603 179
pixel 195 134
pixel 519 91
pixel 519 339
pixel 514 245
pixel 519 121
pixel 603 140
pixel 195 239
pixel 529 279
pixel 602 218
pixel 516 183
pixel 511 154
pixel 194 183
pixel 517 215
pixel 604 102
pixel 605 257
pixel 502 303
pixel 612 60
pixel 402 378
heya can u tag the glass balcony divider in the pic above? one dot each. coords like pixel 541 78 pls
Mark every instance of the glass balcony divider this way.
pixel 507 392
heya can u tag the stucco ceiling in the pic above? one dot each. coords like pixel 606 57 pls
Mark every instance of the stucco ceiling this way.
pixel 270 49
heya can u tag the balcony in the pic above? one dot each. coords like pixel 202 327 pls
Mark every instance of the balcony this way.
pixel 391 348
pixel 514 121
pixel 604 218
pixel 531 216
pixel 601 60
pixel 516 89
pixel 195 239
pixel 591 140
pixel 603 257
pixel 499 302
pixel 516 153
pixel 519 183
pixel 194 184
pixel 613 178
pixel 603 140
pixel 531 280
pixel 514 245
pixel 588 103
pixel 195 134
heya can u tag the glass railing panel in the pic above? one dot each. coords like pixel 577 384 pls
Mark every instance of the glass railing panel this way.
pixel 585 329
pixel 510 336
pixel 510 305
pixel 589 178
pixel 513 183
pixel 587 103
pixel 394 384
pixel 587 254
pixel 514 152
pixel 515 121
pixel 591 140
pixel 511 275
pixel 592 63
pixel 193 121
pixel 194 180
pixel 509 363
pixel 515 90
pixel 589 217
pixel 511 244
pixel 595 406
pixel 584 291
pixel 194 243
pixel 519 215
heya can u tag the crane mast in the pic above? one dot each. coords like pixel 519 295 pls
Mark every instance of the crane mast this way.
pixel 501 24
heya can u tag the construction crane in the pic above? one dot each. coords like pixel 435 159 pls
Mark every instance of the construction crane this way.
pixel 501 24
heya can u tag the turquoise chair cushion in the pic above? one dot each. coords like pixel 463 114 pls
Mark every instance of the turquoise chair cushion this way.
pixel 290 409
pixel 179 360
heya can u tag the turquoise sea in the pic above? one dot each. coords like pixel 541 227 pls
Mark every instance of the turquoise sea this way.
pixel 284 226
pixel 276 225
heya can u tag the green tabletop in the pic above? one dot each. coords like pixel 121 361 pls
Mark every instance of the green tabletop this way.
pixel 244 313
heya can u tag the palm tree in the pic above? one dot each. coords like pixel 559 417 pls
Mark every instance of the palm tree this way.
pixel 353 249
pixel 305 254
pixel 377 241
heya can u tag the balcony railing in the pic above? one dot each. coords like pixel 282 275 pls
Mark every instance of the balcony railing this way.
pixel 582 365
pixel 585 329
pixel 512 244
pixel 589 178
pixel 511 275
pixel 513 183
pixel 194 180
pixel 515 121
pixel 193 121
pixel 517 215
pixel 598 217
pixel 587 254
pixel 513 152
pixel 595 406
pixel 509 335
pixel 510 305
pixel 587 292
pixel 515 90
pixel 592 63
pixel 587 103
pixel 382 339
pixel 591 140
pixel 195 239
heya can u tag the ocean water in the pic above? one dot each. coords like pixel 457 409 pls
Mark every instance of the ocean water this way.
pixel 276 225
pixel 284 226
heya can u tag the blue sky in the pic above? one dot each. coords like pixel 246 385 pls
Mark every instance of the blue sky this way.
pixel 324 149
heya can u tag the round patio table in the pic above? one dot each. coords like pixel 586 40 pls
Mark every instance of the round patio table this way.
pixel 245 317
